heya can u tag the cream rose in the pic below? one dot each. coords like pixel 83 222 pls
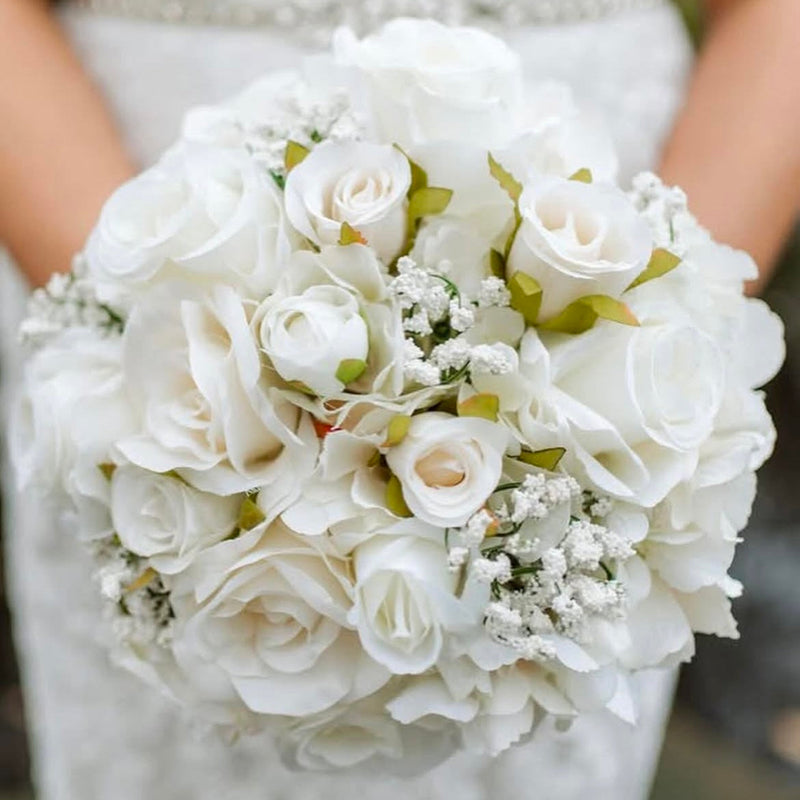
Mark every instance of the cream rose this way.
pixel 208 411
pixel 428 82
pixel 405 601
pixel 202 213
pixel 165 520
pixel 578 239
pixel 448 466
pixel 360 183
pixel 273 621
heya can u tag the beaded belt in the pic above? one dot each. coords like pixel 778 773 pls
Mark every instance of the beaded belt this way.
pixel 308 16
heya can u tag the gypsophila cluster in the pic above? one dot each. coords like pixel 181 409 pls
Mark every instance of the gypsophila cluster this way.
pixel 137 603
pixel 435 319
pixel 302 117
pixel 69 300
pixel 666 210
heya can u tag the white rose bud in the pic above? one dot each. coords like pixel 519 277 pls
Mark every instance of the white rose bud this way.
pixel 359 183
pixel 405 601
pixel 578 239
pixel 308 338
pixel 164 519
pixel 448 466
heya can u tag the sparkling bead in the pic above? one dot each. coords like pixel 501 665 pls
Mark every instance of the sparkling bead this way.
pixel 314 20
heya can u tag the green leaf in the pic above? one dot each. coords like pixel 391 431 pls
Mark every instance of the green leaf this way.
pixel 295 154
pixel 508 183
pixel 582 176
pixel 350 369
pixel 147 577
pixel 250 515
pixel 395 501
pixel 661 262
pixel 497 264
pixel 486 406
pixel 582 314
pixel 428 201
pixel 397 430
pixel 544 459
pixel 526 296
pixel 107 470
pixel 349 235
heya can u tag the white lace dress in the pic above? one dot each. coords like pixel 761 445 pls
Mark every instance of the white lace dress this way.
pixel 99 734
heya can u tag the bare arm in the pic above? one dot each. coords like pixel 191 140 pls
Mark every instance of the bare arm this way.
pixel 60 155
pixel 736 146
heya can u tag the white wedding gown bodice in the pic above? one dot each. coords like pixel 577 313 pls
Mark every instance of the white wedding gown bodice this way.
pixel 98 733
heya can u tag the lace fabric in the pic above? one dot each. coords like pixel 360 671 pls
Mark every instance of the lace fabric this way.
pixel 99 733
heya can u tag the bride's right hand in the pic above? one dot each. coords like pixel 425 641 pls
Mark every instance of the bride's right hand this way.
pixel 60 153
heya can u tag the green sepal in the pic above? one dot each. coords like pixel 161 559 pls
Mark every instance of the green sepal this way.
pixel 107 469
pixel 419 178
pixel 485 406
pixel 350 369
pixel 427 202
pixel 250 515
pixel 395 501
pixel 582 314
pixel 513 188
pixel 508 183
pixel 526 296
pixel 397 430
pixel 295 154
pixel 349 235
pixel 547 459
pixel 583 175
pixel 299 386
pixel 497 264
pixel 661 262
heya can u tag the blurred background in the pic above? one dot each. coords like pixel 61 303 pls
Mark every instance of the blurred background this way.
pixel 735 730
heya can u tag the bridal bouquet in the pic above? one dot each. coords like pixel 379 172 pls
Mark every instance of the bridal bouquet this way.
pixel 391 422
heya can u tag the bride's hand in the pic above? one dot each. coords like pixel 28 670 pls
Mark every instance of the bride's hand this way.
pixel 736 146
pixel 60 155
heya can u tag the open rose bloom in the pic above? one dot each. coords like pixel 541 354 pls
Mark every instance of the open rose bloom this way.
pixel 392 422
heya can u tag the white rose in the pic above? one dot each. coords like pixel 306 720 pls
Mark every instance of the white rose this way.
pixel 72 410
pixel 662 386
pixel 203 213
pixel 207 408
pixel 342 737
pixel 332 307
pixel 427 81
pixel 405 601
pixel 164 519
pixel 578 239
pixel 360 183
pixel 558 139
pixel 273 621
pixel 448 466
